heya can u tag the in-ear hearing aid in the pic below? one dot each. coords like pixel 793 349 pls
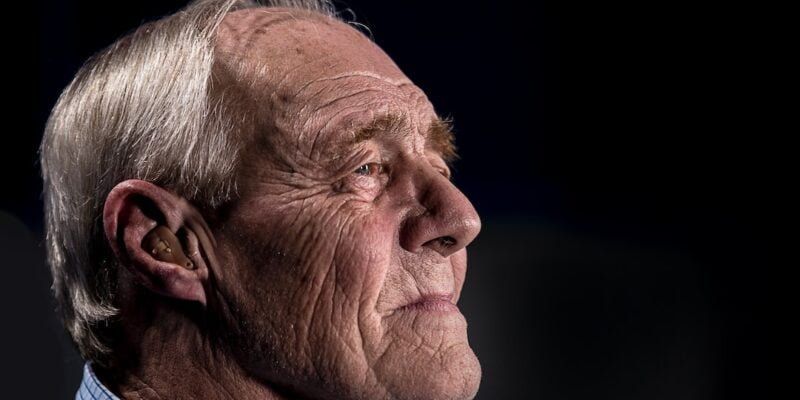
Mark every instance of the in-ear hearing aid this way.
pixel 164 245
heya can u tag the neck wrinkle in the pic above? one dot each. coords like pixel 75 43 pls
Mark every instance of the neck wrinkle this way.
pixel 173 358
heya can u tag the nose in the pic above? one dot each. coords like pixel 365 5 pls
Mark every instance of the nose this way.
pixel 448 223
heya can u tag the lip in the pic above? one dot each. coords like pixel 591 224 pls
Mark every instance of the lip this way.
pixel 435 303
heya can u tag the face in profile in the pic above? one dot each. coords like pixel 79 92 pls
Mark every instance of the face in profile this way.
pixel 343 259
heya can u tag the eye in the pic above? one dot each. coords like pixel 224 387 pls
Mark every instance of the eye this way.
pixel 369 169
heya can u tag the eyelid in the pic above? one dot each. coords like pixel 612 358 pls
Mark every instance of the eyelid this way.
pixel 356 158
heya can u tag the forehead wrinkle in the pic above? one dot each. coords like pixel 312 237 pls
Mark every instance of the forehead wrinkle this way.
pixel 358 92
pixel 369 104
pixel 355 91
pixel 399 83
pixel 437 136
pixel 287 78
pixel 338 126
pixel 305 104
pixel 314 115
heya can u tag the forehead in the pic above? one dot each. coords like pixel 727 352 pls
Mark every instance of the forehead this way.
pixel 302 68
pixel 313 79
pixel 282 47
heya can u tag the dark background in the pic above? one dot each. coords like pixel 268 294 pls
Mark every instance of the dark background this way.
pixel 614 151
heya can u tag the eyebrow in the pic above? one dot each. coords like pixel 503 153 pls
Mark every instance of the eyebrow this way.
pixel 439 136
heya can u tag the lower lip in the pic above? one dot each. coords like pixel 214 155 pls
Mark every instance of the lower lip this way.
pixel 435 306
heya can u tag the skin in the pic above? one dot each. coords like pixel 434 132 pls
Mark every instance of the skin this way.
pixel 336 272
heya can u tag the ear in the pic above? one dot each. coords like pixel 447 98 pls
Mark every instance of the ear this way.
pixel 161 238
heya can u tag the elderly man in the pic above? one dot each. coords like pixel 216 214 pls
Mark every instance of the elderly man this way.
pixel 254 202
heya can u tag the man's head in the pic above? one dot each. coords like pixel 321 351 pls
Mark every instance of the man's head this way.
pixel 327 256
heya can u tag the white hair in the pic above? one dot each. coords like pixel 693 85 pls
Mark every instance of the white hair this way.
pixel 141 109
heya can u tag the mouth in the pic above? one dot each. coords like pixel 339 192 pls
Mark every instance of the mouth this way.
pixel 434 303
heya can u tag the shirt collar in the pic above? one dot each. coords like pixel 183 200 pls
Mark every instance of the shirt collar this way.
pixel 91 388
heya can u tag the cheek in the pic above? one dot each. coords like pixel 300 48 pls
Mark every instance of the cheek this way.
pixel 326 256
pixel 308 277
pixel 363 255
pixel 316 246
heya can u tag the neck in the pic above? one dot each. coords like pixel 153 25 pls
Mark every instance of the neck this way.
pixel 166 355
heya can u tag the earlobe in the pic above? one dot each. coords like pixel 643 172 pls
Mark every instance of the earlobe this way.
pixel 143 223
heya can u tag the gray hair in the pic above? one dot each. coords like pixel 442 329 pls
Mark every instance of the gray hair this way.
pixel 144 109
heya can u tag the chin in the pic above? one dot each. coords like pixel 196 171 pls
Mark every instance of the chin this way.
pixel 454 374
pixel 460 381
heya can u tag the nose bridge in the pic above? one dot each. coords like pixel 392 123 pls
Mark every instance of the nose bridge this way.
pixel 441 197
pixel 447 221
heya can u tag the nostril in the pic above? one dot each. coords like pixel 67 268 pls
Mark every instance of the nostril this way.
pixel 444 245
pixel 447 241
pixel 444 241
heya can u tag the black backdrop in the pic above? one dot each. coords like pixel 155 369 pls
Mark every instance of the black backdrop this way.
pixel 622 255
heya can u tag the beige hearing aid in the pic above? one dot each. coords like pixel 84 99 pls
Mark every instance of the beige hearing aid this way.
pixel 165 246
